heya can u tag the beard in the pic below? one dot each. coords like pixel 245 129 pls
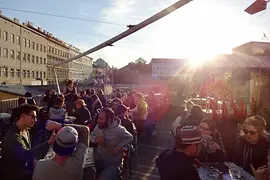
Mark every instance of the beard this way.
pixel 103 126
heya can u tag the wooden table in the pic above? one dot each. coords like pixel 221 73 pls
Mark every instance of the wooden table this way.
pixel 208 171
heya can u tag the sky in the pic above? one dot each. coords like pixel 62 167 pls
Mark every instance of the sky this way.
pixel 199 30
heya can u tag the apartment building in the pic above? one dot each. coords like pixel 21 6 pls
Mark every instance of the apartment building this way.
pixel 23 55
pixel 75 67
pixel 57 52
pixel 87 68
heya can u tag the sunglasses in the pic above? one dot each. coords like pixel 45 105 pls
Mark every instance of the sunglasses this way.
pixel 249 132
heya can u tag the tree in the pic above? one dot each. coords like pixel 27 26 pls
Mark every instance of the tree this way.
pixel 140 61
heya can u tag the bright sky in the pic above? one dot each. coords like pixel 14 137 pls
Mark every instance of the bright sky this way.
pixel 202 28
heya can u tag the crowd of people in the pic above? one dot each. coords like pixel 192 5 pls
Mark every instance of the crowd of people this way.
pixel 198 140
pixel 114 122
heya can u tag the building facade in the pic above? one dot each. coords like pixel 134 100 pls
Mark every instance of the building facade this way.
pixel 75 67
pixel 87 68
pixel 22 56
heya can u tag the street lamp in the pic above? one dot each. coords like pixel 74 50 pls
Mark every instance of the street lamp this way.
pixel 257 6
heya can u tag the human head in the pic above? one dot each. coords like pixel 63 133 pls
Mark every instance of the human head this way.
pixel 93 91
pixel 196 110
pixel 254 128
pixel 121 110
pixel 117 90
pixel 80 103
pixel 26 115
pixel 105 118
pixel 82 93
pixel 116 102
pixel 100 93
pixel 137 98
pixel 188 139
pixel 124 97
pixel 21 101
pixel 88 92
pixel 70 83
pixel 189 105
pixel 66 141
pixel 118 95
pixel 207 127
pixel 28 94
pixel 59 102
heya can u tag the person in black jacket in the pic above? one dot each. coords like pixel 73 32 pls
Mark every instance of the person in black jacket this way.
pixel 252 146
pixel 96 106
pixel 102 98
pixel 212 149
pixel 82 114
pixel 17 155
pixel 180 163
pixel 195 116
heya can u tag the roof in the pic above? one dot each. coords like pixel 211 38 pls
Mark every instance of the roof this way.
pixel 166 60
pixel 257 43
pixel 239 61
pixel 20 90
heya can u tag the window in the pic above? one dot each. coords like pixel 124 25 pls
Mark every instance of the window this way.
pixel 40 60
pixel 24 73
pixel 49 49
pixel 44 75
pixel 12 55
pixel 0 51
pixel 18 73
pixel 36 59
pixel 33 59
pixel 28 57
pixel 12 73
pixel 37 45
pixel 28 73
pixel 5 35
pixel 24 42
pixel 44 49
pixel 40 75
pixel 44 62
pixel 12 39
pixel 33 74
pixel 40 47
pixel 5 53
pixel 18 40
pixel 37 74
pixel 18 55
pixel 24 56
pixel 33 45
pixel 28 43
pixel 5 72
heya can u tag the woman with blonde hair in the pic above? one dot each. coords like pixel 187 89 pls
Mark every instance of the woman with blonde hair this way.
pixel 252 147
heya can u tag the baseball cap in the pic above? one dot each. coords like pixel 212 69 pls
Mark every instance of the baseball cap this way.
pixel 189 135
pixel 66 140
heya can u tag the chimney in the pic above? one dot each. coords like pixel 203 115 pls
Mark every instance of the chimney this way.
pixel 0 12
pixel 30 24
pixel 24 24
pixel 44 31
pixel 40 29
pixel 16 20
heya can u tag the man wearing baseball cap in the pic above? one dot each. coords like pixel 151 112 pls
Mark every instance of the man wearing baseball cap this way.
pixel 70 148
pixel 179 163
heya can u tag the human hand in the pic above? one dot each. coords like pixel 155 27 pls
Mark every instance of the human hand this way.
pixel 215 146
pixel 51 125
pixel 261 173
pixel 99 140
pixel 52 138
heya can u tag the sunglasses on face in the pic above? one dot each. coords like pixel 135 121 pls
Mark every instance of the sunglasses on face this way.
pixel 249 132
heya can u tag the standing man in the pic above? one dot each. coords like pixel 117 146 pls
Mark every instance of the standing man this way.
pixel 110 138
pixel 17 155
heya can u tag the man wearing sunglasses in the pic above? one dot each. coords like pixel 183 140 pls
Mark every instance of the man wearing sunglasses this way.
pixel 17 155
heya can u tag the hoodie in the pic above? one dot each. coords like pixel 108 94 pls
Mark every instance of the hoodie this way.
pixel 57 113
pixel 114 135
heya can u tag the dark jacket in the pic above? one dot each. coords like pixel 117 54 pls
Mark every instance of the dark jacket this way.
pixel 192 120
pixel 255 154
pixel 130 127
pixel 82 115
pixel 97 105
pixel 218 156
pixel 17 155
pixel 173 165
pixel 103 101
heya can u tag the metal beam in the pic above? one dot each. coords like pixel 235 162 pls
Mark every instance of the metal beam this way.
pixel 132 29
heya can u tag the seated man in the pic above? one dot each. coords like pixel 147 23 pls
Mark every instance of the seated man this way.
pixel 179 163
pixel 17 155
pixel 70 148
pixel 110 138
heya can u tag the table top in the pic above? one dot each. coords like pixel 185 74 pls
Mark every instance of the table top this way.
pixel 89 160
pixel 208 171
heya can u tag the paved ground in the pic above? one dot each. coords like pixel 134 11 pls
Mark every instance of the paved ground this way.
pixel 144 167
